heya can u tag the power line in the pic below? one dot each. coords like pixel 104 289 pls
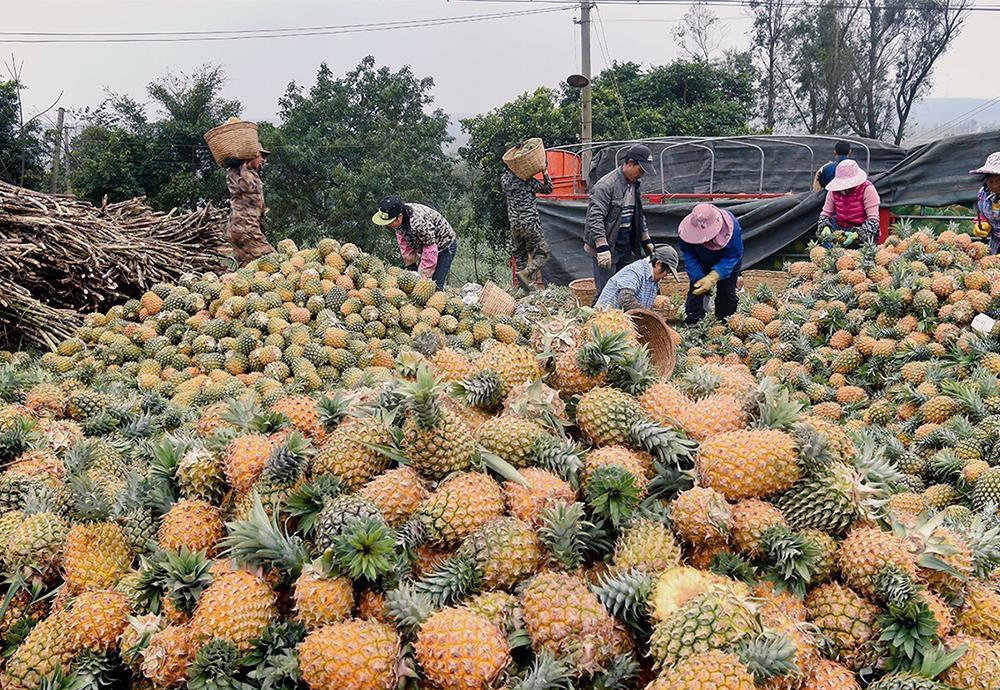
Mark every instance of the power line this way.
pixel 910 4
pixel 237 35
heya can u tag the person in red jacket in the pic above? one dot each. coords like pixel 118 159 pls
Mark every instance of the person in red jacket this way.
pixel 851 206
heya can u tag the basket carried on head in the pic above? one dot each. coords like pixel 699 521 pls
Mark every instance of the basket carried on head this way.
pixel 526 159
pixel 494 300
pixel 656 335
pixel 233 140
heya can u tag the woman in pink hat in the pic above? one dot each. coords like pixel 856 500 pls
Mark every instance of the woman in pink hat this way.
pixel 988 206
pixel 851 205
pixel 712 247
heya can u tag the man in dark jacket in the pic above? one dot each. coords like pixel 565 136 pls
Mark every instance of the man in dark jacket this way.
pixel 616 233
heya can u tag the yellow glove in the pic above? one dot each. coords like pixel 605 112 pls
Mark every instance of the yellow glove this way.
pixel 706 284
pixel 981 228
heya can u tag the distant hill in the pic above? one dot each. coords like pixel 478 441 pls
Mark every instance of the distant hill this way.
pixel 455 130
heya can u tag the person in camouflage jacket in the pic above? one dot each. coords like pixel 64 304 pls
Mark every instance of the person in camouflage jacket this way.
pixel 531 251
pixel 426 240
pixel 246 209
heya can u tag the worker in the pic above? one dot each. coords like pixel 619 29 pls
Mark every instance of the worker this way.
pixel 638 284
pixel 841 151
pixel 531 252
pixel 988 206
pixel 851 206
pixel 712 247
pixel 247 208
pixel 616 234
pixel 426 240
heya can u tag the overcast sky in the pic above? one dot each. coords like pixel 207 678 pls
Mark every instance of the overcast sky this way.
pixel 475 66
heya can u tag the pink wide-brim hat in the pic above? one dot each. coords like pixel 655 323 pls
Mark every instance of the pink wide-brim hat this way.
pixel 990 167
pixel 706 223
pixel 849 175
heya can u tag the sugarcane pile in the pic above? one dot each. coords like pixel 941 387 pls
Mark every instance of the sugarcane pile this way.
pixel 60 255
pixel 320 472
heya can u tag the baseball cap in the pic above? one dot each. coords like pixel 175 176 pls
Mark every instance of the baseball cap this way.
pixel 389 209
pixel 641 154
pixel 666 254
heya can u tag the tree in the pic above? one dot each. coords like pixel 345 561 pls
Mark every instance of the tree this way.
pixel 122 153
pixel 348 141
pixel 22 145
pixel 772 20
pixel 699 35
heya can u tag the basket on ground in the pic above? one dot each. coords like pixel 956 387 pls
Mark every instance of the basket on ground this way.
pixel 495 301
pixel 526 159
pixel 234 140
pixel 584 291
pixel 656 335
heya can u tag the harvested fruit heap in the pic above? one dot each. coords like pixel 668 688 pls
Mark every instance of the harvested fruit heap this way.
pixel 442 501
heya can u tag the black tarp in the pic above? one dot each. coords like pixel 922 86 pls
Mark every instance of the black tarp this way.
pixel 935 174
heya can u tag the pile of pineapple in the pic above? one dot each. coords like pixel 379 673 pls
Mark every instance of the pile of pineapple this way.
pixel 469 504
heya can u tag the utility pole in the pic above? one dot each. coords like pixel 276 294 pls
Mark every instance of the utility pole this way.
pixel 586 95
pixel 56 151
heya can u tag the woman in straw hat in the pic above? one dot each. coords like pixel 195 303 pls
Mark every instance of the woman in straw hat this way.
pixel 851 206
pixel 712 247
pixel 988 206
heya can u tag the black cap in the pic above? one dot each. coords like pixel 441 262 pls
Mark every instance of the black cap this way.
pixel 643 156
pixel 389 209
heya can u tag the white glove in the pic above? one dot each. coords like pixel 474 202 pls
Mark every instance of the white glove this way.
pixel 604 259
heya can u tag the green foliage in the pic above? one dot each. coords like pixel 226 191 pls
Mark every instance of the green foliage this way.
pixel 348 141
pixel 22 150
pixel 123 152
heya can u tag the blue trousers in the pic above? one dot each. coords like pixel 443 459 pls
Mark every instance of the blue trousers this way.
pixel 443 268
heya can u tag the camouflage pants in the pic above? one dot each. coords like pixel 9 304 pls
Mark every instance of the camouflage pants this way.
pixel 247 240
pixel 531 251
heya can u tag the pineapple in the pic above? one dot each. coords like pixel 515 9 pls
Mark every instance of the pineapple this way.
pixel 169 653
pixel 977 668
pixel 748 464
pixel 245 458
pixel 563 617
pixel 462 504
pixel 35 547
pixel 46 649
pixel 712 416
pixel 980 612
pixel 321 600
pixel 511 438
pixel 97 618
pixel 461 650
pixel 664 403
pixel 397 494
pixel 200 475
pixel 303 412
pixel 866 551
pixel 237 606
pixel 751 518
pixel 606 415
pixel 435 439
pixel 846 619
pixel 701 516
pixel 829 675
pixel 193 524
pixel 95 556
pixel 347 453
pixel 514 365
pixel 647 546
pixel 708 670
pixel 543 492
pixel 371 666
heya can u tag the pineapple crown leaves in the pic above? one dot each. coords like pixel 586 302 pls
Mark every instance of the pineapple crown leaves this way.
pixel 666 444
pixel 895 587
pixel 928 544
pixel 408 607
pixel 815 449
pixel 699 381
pixel 421 398
pixel 790 557
pixel 180 576
pixel 269 422
pixel 935 660
pixel 983 538
pixel 668 481
pixel 366 549
pixel 456 578
pixel 908 632
pixel 501 467
pixel 166 455
pixel 273 660
pixel 484 389
pixel 626 596
pixel 61 679
pixel 89 503
pixel 19 437
pixel 612 493
pixel 570 537
pixel 560 456
pixel 242 411
pixel 769 655
pixel 215 667
pixel 620 672
pixel 287 462
pixel 12 382
pixel 260 542
pixel 307 501
pixel 546 673
pixel 602 351
pixel 333 409
pixel 635 373
pixel 775 407
pixel 734 566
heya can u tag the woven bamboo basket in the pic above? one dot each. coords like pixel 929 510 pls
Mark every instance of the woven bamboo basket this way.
pixel 233 140
pixel 656 335
pixel 494 300
pixel 527 159
pixel 584 291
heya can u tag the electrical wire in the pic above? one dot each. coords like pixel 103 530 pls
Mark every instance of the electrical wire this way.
pixel 606 52
pixel 249 34
pixel 729 3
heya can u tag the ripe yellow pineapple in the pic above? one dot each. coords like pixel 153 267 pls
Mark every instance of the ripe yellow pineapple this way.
pixel 639 465
pixel 676 586
pixel 95 556
pixel 303 412
pixel 397 493
pixel 192 523
pixel 866 551
pixel 461 650
pixel 168 655
pixel 435 437
pixel 829 675
pixel 646 545
pixel 610 322
pixel 321 600
pixel 750 519
pixel 713 415
pixel 606 415
pixel 97 618
pixel 978 668
pixel 462 504
pixel 47 648
pixel 846 619
pixel 347 452
pixel 709 670
pixel 569 378
pixel 245 458
pixel 511 438
pixel 544 491
pixel 980 612
pixel 370 666
pixel 701 516
pixel 565 618
pixel 748 464
pixel 236 606
pixel 664 403
pixel 514 364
